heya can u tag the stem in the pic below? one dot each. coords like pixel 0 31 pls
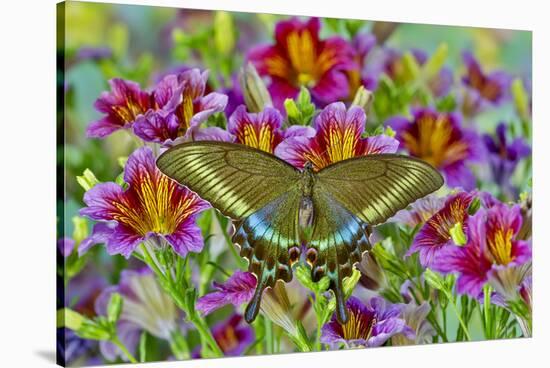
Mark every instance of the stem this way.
pixel 268 336
pixel 115 340
pixel 179 346
pixel 460 320
pixel 205 333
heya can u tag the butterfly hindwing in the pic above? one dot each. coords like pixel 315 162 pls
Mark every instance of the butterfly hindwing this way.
pixel 338 241
pixel 269 240
pixel 236 179
pixel 375 187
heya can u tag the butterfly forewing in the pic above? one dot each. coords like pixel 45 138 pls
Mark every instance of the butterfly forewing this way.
pixel 236 179
pixel 375 187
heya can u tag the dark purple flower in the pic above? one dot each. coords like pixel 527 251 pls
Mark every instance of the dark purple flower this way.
pixel 122 106
pixel 146 306
pixel 233 335
pixel 237 290
pixel 504 156
pixel 483 88
pixel 369 325
pixel 435 234
pixel 338 137
pixel 491 246
pixel 153 205
pixel 179 107
pixel 300 58
pixel 439 139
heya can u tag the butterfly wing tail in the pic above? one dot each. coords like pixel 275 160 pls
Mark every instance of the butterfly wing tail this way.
pixel 253 306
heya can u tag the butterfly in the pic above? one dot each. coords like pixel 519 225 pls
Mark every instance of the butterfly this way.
pixel 278 208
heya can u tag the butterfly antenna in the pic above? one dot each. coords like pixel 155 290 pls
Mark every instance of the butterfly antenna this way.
pixel 253 307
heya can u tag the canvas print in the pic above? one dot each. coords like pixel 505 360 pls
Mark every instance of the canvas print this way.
pixel 238 184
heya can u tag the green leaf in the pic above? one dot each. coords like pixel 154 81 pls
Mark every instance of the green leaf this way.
pixel 434 64
pixel 301 110
pixel 434 280
pixel 80 231
pixel 521 99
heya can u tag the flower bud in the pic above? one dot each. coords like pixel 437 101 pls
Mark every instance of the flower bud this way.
pixel 363 98
pixel 457 234
pixel 256 96
pixel 114 308
pixel 87 180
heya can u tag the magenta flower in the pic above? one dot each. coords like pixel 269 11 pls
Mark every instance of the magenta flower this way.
pixel 299 58
pixel 237 290
pixel 369 325
pixel 438 139
pixel 122 106
pixel 491 246
pixel 338 137
pixel 362 44
pixel 420 211
pixel 436 232
pixel 262 130
pixel 146 307
pixel 153 205
pixel 179 107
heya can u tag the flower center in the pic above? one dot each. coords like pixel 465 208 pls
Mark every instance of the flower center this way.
pixel 359 326
pixel 341 144
pixel 500 246
pixel 149 206
pixel 227 339
pixel 435 141
pixel 262 139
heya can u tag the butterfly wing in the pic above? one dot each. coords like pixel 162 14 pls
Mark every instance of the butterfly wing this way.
pixel 352 194
pixel 338 240
pixel 236 179
pixel 375 187
pixel 269 240
pixel 255 188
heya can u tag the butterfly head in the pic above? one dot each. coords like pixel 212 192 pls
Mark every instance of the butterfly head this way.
pixel 308 166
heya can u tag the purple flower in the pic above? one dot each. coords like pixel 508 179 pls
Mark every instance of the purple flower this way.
pixel 438 139
pixel 338 137
pixel 179 107
pixel 146 307
pixel 233 336
pixel 415 317
pixel 503 157
pixel 362 44
pixel 420 211
pixel 300 58
pixel 262 130
pixel 122 106
pixel 93 53
pixel 237 290
pixel 491 246
pixel 153 205
pixel 435 234
pixel 66 246
pixel 483 89
pixel 369 325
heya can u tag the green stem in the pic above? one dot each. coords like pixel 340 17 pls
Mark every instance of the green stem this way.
pixel 115 340
pixel 205 333
pixel 179 346
pixel 269 343
pixel 460 320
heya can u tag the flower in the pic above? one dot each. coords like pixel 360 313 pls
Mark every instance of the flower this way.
pixel 420 211
pixel 237 290
pixel 503 157
pixel 362 44
pixel 492 247
pixel 122 106
pixel 436 232
pixel 369 325
pixel 373 276
pixel 491 88
pixel 438 139
pixel 263 130
pixel 338 137
pixel 299 58
pixel 415 317
pixel 153 206
pixel 233 336
pixel 146 307
pixel 179 107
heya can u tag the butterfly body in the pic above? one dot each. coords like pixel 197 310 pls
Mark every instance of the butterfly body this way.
pixel 280 210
